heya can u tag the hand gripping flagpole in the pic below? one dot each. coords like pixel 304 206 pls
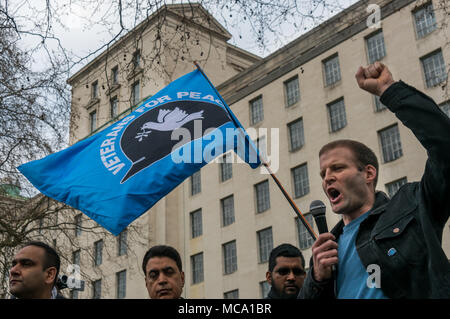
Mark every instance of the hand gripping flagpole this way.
pixel 286 195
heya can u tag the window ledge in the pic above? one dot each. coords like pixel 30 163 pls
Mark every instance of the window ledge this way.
pixel 92 102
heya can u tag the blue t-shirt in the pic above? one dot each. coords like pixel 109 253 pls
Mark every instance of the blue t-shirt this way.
pixel 352 276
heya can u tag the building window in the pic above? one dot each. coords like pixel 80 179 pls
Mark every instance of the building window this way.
pixel 229 257
pixel 94 90
pixel 375 47
pixel 256 110
pixel 197 268
pixel 121 281
pixel 196 223
pixel 227 204
pixel 97 289
pixel 378 105
pixel 262 196
pixel 74 294
pixel 98 252
pixel 336 115
pixel 291 91
pixel 305 240
pixel 265 242
pixel 391 146
pixel 331 70
pixel 93 121
pixel 261 144
pixel 114 107
pixel 445 107
pixel 137 59
pixel 301 180
pixel 264 287
pixel 135 93
pixel 226 167
pixel 425 20
pixel 196 185
pixel 115 75
pixel 232 294
pixel 296 134
pixel 434 68
pixel 122 243
pixel 78 225
pixel 76 257
pixel 394 186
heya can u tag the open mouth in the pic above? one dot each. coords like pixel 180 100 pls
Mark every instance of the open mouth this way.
pixel 334 195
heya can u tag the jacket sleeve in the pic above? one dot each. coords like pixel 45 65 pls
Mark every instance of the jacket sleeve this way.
pixel 431 127
pixel 313 289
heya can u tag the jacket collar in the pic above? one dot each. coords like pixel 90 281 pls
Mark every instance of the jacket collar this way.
pixel 381 200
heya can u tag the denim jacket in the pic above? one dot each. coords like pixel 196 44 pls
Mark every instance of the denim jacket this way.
pixel 403 235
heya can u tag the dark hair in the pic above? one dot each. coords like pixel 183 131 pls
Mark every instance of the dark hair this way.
pixel 284 250
pixel 162 251
pixel 363 155
pixel 51 257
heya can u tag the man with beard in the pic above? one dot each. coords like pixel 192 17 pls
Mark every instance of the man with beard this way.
pixel 286 272
pixel 398 240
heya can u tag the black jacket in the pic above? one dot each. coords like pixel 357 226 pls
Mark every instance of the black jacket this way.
pixel 412 221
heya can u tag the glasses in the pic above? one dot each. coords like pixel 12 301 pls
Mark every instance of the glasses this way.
pixel 286 271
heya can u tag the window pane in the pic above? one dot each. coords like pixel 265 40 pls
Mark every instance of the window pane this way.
pixel 394 186
pixel 337 116
pixel 227 210
pixel 265 244
pixel 115 75
pixel 93 121
pixel 301 180
pixel 378 105
pixel 226 168
pixel 98 252
pixel 122 243
pixel 114 107
pixel 434 69
pixel 196 186
pixel 296 135
pixel 76 255
pixel 265 288
pixel 135 97
pixel 256 110
pixel 229 257
pixel 197 268
pixel 233 294
pixel 292 91
pixel 425 20
pixel 375 47
pixel 390 143
pixel 196 223
pixel 121 279
pixel 332 71
pixel 305 240
pixel 97 289
pixel 262 196
pixel 78 225
pixel 95 90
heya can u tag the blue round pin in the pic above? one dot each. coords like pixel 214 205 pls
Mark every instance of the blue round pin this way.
pixel 392 252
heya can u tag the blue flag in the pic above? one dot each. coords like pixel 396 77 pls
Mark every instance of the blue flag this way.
pixel 119 173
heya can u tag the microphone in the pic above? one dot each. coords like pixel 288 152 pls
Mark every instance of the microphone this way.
pixel 317 209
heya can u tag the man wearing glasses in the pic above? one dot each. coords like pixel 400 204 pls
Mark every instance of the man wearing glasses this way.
pixel 286 272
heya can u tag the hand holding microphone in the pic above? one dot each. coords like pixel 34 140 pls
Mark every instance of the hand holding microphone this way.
pixel 324 250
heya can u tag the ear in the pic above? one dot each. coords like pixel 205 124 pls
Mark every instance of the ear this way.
pixel 182 279
pixel 269 277
pixel 371 174
pixel 50 275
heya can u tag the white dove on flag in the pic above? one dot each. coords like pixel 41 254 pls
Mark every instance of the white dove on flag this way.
pixel 168 121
